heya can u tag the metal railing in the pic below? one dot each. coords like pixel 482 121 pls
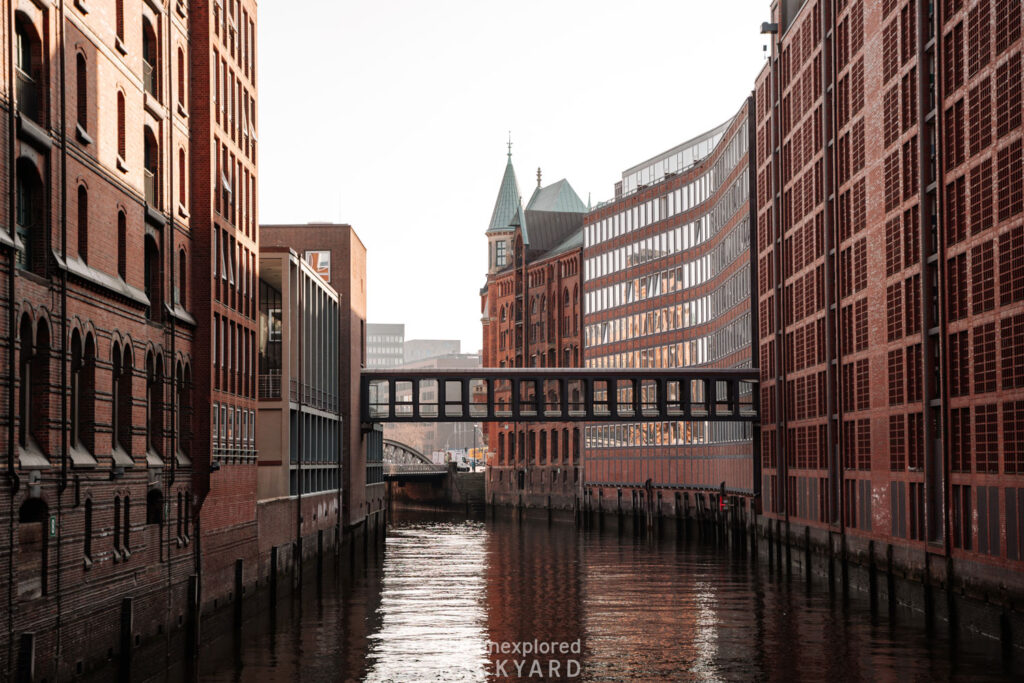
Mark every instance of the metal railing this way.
pixel 27 94
pixel 269 386
pixel 423 469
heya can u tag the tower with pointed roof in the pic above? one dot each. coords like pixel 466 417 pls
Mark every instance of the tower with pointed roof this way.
pixel 503 219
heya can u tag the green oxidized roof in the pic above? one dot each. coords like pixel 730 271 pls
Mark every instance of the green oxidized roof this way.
pixel 508 202
pixel 557 197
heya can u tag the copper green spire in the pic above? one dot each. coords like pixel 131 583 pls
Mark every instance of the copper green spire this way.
pixel 508 201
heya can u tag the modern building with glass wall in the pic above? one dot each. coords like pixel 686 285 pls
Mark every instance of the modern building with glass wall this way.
pixel 667 283
pixel 299 427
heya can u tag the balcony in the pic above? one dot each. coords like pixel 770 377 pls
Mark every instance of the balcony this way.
pixel 270 385
pixel 28 95
pixel 149 78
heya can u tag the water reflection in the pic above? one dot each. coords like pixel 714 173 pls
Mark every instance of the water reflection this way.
pixel 426 606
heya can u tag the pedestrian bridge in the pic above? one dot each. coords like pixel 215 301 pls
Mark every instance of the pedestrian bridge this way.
pixel 558 394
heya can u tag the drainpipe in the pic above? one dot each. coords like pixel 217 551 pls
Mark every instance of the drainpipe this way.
pixel 832 406
pixel 64 439
pixel 12 474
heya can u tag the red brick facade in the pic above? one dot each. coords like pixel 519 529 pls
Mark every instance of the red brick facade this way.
pixel 891 278
pixel 536 464
pixel 96 260
pixel 667 284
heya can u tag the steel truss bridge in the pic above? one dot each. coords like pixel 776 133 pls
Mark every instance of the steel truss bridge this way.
pixel 402 461
pixel 558 395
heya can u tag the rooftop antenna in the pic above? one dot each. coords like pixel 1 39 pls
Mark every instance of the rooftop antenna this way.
pixel 538 177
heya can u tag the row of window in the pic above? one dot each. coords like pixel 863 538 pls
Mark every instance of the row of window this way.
pixel 234 430
pixel 678 316
pixel 36 404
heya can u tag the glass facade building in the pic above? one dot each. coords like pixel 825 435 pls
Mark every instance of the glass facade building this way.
pixel 667 283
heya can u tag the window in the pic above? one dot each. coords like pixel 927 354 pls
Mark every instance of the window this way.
pixel 126 528
pixel 155 507
pixel 182 179
pixel 82 94
pixel 152 168
pixel 83 223
pixel 181 288
pixel 28 69
pixel 150 59
pixel 500 255
pixel 153 279
pixel 154 404
pixel 121 387
pixel 31 204
pixel 83 365
pixel 32 549
pixel 119 17
pixel 181 78
pixel 87 541
pixel 121 144
pixel 122 245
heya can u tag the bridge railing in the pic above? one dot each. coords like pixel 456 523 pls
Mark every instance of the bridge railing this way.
pixel 559 394
pixel 392 470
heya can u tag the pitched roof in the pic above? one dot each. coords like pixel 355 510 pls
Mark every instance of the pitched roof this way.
pixel 573 241
pixel 558 197
pixel 508 201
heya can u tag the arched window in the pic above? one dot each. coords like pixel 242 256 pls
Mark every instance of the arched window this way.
pixel 87 540
pixel 153 278
pixel 178 519
pixel 501 448
pixel 117 523
pixel 121 386
pixel 181 77
pixel 81 393
pixel 32 551
pixel 82 94
pixel 183 414
pixel 29 72
pixel 126 528
pixel 154 404
pixel 181 286
pixel 83 223
pixel 151 170
pixel 34 373
pixel 122 245
pixel 25 382
pixel 121 135
pixel 29 218
pixel 182 179
pixel 150 59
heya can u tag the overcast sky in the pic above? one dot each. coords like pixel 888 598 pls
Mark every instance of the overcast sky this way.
pixel 393 116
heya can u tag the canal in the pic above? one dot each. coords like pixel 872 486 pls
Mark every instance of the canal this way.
pixel 450 598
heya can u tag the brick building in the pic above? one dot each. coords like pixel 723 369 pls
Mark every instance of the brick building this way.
pixel 101 352
pixel 531 316
pixel 891 280
pixel 299 432
pixel 666 283
pixel 339 245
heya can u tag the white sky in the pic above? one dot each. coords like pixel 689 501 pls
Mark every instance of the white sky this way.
pixel 392 115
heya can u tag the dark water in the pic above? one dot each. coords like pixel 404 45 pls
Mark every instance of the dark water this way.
pixel 425 605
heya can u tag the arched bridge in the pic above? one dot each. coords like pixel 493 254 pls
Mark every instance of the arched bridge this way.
pixel 402 461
